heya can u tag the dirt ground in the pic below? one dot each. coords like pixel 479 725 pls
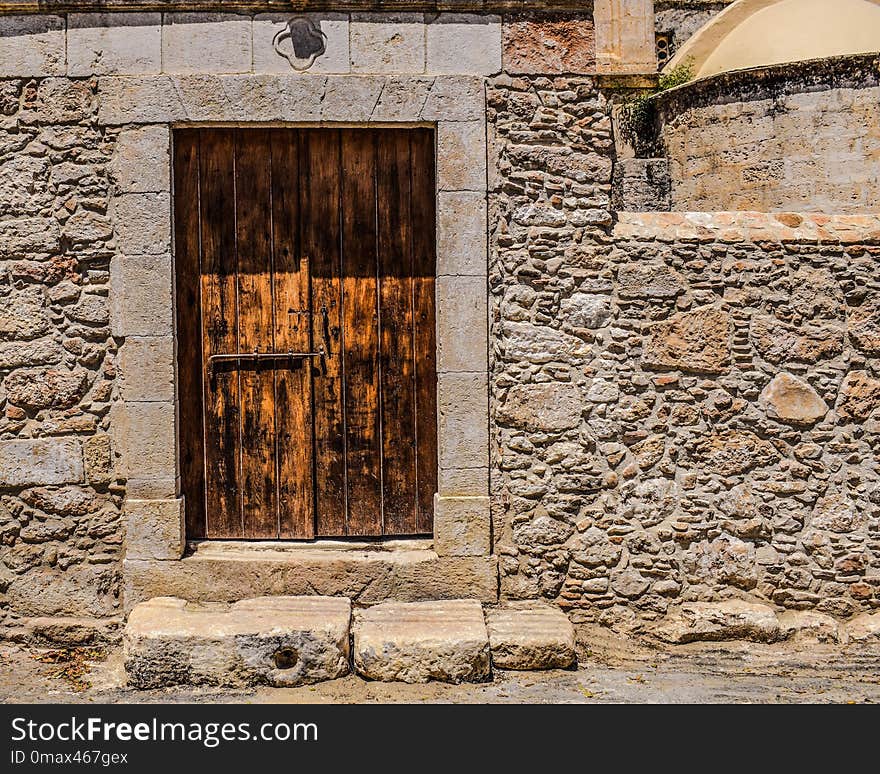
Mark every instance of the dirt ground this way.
pixel 609 671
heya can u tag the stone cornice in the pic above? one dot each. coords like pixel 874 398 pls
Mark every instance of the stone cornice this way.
pixel 257 6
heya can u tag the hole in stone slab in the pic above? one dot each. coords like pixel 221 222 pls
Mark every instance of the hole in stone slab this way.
pixel 285 658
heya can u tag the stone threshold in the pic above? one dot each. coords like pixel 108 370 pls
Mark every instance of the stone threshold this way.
pixel 365 572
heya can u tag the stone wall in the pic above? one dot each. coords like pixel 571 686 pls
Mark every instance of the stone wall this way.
pixel 59 511
pixel 682 18
pixel 799 138
pixel 686 407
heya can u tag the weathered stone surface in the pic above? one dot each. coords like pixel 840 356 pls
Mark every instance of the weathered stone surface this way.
pixel 15 354
pixel 40 461
pixel 23 315
pixel 815 293
pixel 387 43
pixel 732 452
pixel 586 310
pixel 714 621
pixel 335 58
pixel 540 344
pixel 24 185
pixel 40 388
pixel 31 46
pixel 452 98
pixel 864 628
pixel 114 44
pixel 141 162
pixel 146 367
pixel 545 407
pixel 461 324
pixel 206 43
pixel 808 626
pixel 696 342
pixel 421 641
pixel 629 583
pixel 97 458
pixel 22 237
pixel 727 561
pixel 859 397
pixel 278 641
pixel 792 400
pixel 530 637
pixel 463 413
pixel 642 185
pixel 836 512
pixel 141 295
pixel 864 327
pixel 781 343
pixel 145 436
pixel 653 281
pixel 461 156
pixel 546 43
pixel 462 526
pixel 143 223
pixel 461 234
pixel 144 100
pixel 464 43
pixel 61 101
pixel 351 99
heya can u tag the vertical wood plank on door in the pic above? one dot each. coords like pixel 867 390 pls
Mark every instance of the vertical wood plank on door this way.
pixel 256 333
pixel 293 384
pixel 320 203
pixel 189 327
pixel 424 322
pixel 360 323
pixel 219 326
pixel 395 291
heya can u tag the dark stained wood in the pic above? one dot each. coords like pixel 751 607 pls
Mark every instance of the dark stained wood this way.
pixel 395 278
pixel 320 218
pixel 360 324
pixel 293 333
pixel 298 240
pixel 189 327
pixel 424 263
pixel 220 335
pixel 256 332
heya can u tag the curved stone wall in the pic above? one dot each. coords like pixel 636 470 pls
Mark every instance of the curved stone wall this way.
pixel 803 137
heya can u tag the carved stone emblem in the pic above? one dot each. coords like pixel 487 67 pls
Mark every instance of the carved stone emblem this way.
pixel 300 42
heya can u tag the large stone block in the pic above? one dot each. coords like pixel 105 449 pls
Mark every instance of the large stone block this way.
pixel 141 160
pixel 462 526
pixel 41 461
pixel 713 621
pixel 464 43
pixel 696 342
pixel 143 223
pixel 461 156
pixel 387 43
pixel 455 98
pixel 530 636
pixel 792 400
pixel 625 40
pixel 139 100
pixel 422 641
pixel 461 233
pixel 457 482
pixel 145 437
pixel 351 98
pixel 31 46
pixel 28 237
pixel 206 43
pixel 549 43
pixel 154 529
pixel 546 407
pixel 278 641
pixel 146 366
pixel 114 43
pixel 267 58
pixel 141 295
pixel 462 324
pixel 464 421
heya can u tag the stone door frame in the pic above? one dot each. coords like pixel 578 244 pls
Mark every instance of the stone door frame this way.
pixel 146 110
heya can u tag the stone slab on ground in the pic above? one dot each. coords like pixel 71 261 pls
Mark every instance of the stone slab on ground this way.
pixel 414 642
pixel 277 641
pixel 733 619
pixel 534 637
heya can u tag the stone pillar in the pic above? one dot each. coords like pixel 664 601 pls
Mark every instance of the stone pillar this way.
pixel 625 36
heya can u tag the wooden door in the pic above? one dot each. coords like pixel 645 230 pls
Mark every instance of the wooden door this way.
pixel 306 345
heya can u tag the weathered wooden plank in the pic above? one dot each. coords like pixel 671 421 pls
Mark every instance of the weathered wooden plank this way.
pixel 189 328
pixel 219 334
pixel 360 321
pixel 395 291
pixel 319 197
pixel 256 333
pixel 293 333
pixel 423 209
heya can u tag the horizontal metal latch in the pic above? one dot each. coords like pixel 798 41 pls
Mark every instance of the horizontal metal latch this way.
pixel 262 356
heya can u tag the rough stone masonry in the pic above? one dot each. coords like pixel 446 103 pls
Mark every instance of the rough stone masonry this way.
pixel 684 408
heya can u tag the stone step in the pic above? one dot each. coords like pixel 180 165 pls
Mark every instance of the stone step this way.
pixel 414 642
pixel 276 641
pixel 530 637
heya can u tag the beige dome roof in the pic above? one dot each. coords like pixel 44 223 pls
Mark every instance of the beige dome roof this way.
pixel 755 33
